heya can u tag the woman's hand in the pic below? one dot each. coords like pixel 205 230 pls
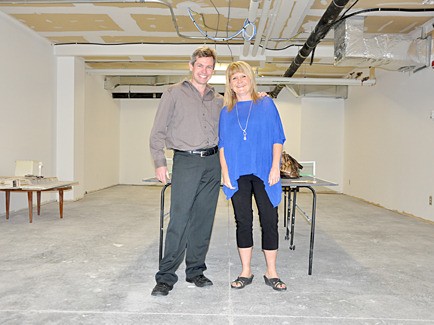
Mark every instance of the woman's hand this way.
pixel 274 176
pixel 227 181
pixel 225 169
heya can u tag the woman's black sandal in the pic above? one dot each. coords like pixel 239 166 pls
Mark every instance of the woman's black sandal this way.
pixel 241 282
pixel 275 283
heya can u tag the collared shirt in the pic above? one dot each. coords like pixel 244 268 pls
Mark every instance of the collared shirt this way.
pixel 185 120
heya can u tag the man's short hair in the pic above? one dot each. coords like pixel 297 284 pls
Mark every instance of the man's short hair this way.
pixel 203 52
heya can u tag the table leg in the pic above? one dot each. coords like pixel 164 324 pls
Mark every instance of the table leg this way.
pixel 61 203
pixel 285 200
pixel 30 202
pixel 292 222
pixel 312 229
pixel 8 200
pixel 160 250
pixel 38 202
pixel 287 212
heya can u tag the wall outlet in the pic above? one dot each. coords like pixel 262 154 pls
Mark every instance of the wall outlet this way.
pixel 430 200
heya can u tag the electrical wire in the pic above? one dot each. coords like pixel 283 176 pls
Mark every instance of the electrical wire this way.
pixel 242 31
pixel 218 18
pixel 227 29
pixel 354 3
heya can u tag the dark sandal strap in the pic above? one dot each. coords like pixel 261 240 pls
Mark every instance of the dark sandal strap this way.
pixel 275 283
pixel 279 285
pixel 241 282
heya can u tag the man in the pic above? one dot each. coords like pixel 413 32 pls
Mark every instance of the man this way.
pixel 187 122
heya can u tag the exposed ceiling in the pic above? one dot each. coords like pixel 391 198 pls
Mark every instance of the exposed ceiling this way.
pixel 154 38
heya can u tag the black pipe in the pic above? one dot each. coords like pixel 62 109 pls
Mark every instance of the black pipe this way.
pixel 320 31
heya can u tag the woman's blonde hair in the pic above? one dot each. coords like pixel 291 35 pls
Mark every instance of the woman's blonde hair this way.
pixel 230 98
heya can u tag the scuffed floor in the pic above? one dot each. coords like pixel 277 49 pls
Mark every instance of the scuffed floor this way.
pixel 97 266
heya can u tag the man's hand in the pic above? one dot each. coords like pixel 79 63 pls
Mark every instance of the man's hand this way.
pixel 162 174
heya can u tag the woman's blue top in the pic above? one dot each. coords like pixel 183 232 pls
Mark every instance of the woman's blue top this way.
pixel 255 154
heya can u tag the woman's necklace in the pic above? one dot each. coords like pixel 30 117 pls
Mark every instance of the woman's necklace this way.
pixel 247 122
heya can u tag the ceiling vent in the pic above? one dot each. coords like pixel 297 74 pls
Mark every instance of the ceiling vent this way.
pixel 393 52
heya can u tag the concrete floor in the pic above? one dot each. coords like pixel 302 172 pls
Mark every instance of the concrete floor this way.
pixel 97 266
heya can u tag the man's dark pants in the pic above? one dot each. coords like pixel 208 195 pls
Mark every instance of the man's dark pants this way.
pixel 194 194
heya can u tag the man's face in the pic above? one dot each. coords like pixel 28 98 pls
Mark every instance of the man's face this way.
pixel 202 70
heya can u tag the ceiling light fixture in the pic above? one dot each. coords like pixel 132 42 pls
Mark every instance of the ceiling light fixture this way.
pixel 221 66
pixel 221 80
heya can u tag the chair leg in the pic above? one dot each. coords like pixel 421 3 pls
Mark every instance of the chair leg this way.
pixel 38 199
pixel 61 203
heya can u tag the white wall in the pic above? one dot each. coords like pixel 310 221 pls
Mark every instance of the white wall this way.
pixel 290 113
pixel 322 137
pixel 389 142
pixel 28 113
pixel 314 129
pixel 137 118
pixel 27 106
pixel 101 134
pixel 70 105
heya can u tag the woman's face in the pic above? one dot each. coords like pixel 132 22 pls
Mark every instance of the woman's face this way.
pixel 241 84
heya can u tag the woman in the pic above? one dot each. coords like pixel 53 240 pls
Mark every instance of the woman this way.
pixel 250 145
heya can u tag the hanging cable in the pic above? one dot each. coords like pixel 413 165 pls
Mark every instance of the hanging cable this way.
pixel 242 31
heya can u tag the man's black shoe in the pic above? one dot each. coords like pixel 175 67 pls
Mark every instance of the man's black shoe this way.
pixel 200 281
pixel 161 289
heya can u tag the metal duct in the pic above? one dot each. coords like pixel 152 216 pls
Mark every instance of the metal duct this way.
pixel 394 52
pixel 320 31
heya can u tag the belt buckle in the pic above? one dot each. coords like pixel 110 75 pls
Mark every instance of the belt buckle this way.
pixel 203 154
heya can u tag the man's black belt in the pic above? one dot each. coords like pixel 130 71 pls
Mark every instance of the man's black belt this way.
pixel 201 152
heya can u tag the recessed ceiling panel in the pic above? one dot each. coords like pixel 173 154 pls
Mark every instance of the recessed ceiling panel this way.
pixel 67 23
pixel 162 24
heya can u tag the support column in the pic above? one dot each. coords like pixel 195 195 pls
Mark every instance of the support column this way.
pixel 70 123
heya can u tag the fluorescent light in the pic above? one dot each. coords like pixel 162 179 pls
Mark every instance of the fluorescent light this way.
pixel 221 66
pixel 218 79
pixel 221 80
